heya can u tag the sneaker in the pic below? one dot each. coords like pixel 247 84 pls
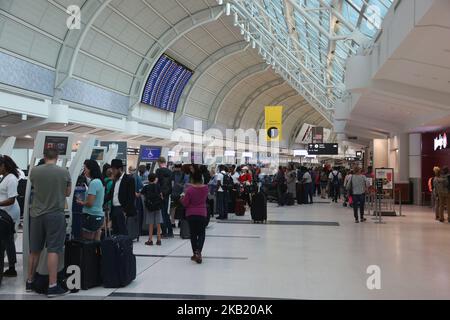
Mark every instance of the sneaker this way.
pixel 57 291
pixel 363 220
pixel 158 243
pixel 194 257
pixel 356 221
pixel 149 243
pixel 10 273
pixel 29 287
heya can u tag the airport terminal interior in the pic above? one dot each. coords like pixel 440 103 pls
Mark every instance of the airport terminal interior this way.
pixel 287 149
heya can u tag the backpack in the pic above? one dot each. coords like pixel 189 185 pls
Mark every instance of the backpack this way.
pixel 227 183
pixel 165 182
pixel 152 199
pixel 178 185
pixel 6 226
pixel 335 179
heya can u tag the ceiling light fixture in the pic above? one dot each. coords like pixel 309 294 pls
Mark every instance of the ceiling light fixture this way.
pixel 228 9
pixel 28 136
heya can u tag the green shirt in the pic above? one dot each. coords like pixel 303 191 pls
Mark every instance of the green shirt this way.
pixel 49 183
pixel 96 189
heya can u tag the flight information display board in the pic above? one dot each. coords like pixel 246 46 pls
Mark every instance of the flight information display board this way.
pixel 328 149
pixel 166 84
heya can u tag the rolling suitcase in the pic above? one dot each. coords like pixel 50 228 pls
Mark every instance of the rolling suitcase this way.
pixel 299 193
pixel 134 227
pixel 240 207
pixel 118 264
pixel 185 232
pixel 86 255
pixel 259 208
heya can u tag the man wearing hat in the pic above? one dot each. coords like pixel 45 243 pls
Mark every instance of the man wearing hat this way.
pixel 123 198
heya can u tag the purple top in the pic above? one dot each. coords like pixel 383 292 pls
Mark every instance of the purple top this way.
pixel 195 201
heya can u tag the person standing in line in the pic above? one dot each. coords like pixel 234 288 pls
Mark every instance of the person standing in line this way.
pixel 307 186
pixel 440 183
pixel 357 187
pixel 280 180
pixel 292 181
pixel 152 198
pixel 8 203
pixel 335 178
pixel 123 196
pixel 220 193
pixel 143 173
pixel 93 216
pixel 323 183
pixel 165 179
pixel 195 203
pixel 51 184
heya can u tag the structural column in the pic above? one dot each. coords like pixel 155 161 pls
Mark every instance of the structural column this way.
pixel 415 166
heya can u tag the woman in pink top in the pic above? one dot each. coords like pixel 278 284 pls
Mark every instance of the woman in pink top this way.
pixel 194 202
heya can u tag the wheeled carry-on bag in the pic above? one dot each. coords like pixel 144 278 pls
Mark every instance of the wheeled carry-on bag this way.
pixel 87 256
pixel 299 193
pixel 240 207
pixel 118 262
pixel 185 231
pixel 259 208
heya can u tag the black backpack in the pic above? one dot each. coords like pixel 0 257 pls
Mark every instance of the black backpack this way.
pixel 227 183
pixel 165 182
pixel 152 199
pixel 335 180
pixel 6 226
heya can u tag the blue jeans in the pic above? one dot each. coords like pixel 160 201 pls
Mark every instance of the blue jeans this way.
pixel 166 227
pixel 359 201
pixel 307 193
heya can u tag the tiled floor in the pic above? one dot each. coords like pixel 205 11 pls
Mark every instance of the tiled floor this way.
pixel 300 261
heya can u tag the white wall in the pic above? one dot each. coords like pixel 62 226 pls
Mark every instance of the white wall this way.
pixel 380 153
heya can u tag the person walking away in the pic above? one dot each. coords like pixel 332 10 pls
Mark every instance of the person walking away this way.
pixel 316 181
pixel 280 180
pixel 357 187
pixel 441 187
pixel 346 186
pixel 195 203
pixel 8 203
pixel 123 196
pixel 323 183
pixel 153 199
pixel 164 176
pixel 435 195
pixel 51 184
pixel 93 216
pixel 291 181
pixel 335 178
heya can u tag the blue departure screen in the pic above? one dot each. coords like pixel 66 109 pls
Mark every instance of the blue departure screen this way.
pixel 166 84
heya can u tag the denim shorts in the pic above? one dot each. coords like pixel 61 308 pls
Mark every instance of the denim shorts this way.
pixel 91 223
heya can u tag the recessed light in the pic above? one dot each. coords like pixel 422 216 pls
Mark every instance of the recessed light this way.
pixel 28 136
pixel 5 125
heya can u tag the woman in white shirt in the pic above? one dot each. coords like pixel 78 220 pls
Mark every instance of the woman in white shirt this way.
pixel 8 203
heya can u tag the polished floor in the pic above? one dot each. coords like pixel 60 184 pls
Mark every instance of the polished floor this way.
pixel 307 252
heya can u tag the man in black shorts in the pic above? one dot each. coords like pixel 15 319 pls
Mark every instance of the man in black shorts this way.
pixel 52 184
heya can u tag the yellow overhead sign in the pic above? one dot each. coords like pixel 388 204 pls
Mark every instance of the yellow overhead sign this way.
pixel 274 123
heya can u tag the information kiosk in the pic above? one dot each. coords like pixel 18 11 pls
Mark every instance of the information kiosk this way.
pixel 8 146
pixel 61 141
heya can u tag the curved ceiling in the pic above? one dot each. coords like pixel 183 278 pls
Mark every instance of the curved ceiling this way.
pixel 120 40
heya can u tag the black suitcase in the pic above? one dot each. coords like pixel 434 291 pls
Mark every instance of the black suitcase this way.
pixel 86 255
pixel 259 208
pixel 118 264
pixel 185 232
pixel 299 193
pixel 134 227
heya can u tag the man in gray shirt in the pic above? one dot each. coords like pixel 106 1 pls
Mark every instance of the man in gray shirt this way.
pixel 357 186
pixel 51 185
